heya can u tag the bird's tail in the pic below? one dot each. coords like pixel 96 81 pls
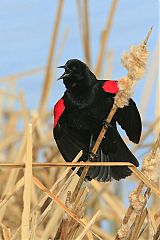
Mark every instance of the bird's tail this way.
pixel 113 149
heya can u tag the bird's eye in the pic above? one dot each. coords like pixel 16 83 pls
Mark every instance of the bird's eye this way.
pixel 67 70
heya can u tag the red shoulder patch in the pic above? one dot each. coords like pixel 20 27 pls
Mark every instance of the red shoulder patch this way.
pixel 110 86
pixel 58 110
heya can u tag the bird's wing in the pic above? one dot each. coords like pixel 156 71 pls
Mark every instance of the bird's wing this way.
pixel 128 117
pixel 69 141
pixel 130 120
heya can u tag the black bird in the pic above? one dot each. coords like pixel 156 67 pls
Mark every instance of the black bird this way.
pixel 79 116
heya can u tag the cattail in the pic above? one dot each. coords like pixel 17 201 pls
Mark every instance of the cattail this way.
pixel 151 166
pixel 135 62
pixel 123 232
pixel 137 202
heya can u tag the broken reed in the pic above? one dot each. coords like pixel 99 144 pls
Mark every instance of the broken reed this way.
pixel 138 199
pixel 39 184
pixel 134 169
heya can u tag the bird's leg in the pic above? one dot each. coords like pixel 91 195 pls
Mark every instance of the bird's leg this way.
pixel 91 155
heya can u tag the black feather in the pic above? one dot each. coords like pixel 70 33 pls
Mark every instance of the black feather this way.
pixel 130 120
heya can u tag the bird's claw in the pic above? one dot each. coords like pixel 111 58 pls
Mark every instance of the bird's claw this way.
pixel 106 124
pixel 91 156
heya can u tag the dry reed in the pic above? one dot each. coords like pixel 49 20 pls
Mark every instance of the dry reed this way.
pixel 56 208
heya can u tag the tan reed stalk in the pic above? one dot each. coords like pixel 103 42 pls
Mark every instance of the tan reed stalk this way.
pixel 47 80
pixel 68 186
pixel 65 164
pixel 22 74
pixel 43 197
pixel 146 93
pixel 52 70
pixel 158 107
pixel 138 224
pixel 115 206
pixel 152 220
pixel 13 175
pixel 25 234
pixel 10 88
pixel 157 235
pixel 8 94
pixel 10 130
pixel 12 192
pixel 104 39
pixel 62 190
pixel 102 233
pixel 146 181
pixel 10 140
pixel 109 65
pixel 33 225
pixel 61 48
pixel 6 232
pixel 139 220
pixel 156 132
pixel 86 34
pixel 88 226
pixel 130 208
pixel 34 197
pixel 60 204
pixel 89 235
pixel 80 18
pixel 70 231
pixel 138 173
pixel 157 215
pixel 149 167
pixel 68 227
pixel 124 231
pixel 24 109
pixel 52 225
pixel 83 19
pixel 134 62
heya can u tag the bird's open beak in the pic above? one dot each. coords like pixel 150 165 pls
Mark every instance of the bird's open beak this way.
pixel 61 67
pixel 63 75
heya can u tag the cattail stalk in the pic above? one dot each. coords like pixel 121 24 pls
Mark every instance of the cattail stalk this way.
pixel 138 200
pixel 47 80
pixel 27 186
pixel 135 62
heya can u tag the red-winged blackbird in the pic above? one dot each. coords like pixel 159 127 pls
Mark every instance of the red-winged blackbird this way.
pixel 79 116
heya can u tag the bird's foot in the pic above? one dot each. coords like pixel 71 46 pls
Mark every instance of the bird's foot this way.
pixel 91 156
pixel 106 124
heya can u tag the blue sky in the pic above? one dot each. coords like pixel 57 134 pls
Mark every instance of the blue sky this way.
pixel 26 27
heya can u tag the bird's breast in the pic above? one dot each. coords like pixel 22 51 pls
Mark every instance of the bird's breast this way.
pixel 89 118
pixel 88 113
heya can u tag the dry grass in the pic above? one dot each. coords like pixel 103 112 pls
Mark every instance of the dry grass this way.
pixel 47 200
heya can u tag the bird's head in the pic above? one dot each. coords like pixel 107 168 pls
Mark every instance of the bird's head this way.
pixel 76 74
